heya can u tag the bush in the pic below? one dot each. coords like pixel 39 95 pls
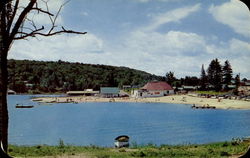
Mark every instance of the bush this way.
pixel 223 153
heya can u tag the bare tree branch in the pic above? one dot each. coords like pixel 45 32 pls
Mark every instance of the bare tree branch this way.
pixel 13 16
pixel 37 32
pixel 20 20
pixel 43 11
pixel 53 21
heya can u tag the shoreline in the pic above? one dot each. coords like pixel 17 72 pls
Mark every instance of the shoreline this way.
pixel 172 99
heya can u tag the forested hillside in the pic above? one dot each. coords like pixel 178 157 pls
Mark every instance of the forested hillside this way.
pixel 41 76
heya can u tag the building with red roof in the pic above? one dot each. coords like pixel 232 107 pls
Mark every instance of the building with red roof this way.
pixel 154 89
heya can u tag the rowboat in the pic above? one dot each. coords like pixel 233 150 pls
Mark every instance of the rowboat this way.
pixel 24 106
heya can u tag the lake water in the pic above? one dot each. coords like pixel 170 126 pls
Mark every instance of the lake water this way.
pixel 99 123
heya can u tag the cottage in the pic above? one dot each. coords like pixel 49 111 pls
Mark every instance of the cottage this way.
pixel 109 92
pixel 154 89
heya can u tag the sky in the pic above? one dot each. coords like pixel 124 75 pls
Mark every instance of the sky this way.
pixel 156 36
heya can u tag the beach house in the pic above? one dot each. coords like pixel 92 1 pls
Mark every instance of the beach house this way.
pixel 109 92
pixel 153 89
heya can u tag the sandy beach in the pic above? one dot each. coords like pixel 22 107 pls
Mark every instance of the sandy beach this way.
pixel 175 99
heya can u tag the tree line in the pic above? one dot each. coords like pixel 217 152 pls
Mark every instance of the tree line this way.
pixel 217 77
pixel 50 76
pixel 40 76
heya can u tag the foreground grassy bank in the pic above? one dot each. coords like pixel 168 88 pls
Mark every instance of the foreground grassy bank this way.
pixel 223 149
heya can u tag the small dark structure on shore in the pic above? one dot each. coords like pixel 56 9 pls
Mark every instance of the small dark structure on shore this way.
pixel 122 141
pixel 202 107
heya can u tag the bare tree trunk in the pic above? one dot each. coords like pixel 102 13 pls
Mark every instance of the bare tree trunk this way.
pixel 3 82
pixel 3 101
pixel 11 28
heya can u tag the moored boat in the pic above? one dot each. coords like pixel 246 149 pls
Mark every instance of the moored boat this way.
pixel 24 106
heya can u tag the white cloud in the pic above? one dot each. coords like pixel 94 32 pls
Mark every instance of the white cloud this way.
pixel 171 16
pixel 40 18
pixel 83 13
pixel 53 5
pixel 143 49
pixel 171 43
pixel 65 47
pixel 181 52
pixel 235 14
pixel 143 1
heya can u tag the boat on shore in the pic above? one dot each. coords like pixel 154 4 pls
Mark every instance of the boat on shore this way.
pixel 122 141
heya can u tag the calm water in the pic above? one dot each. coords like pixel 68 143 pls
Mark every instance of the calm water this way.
pixel 100 123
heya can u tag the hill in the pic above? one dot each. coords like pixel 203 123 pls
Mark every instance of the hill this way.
pixel 61 76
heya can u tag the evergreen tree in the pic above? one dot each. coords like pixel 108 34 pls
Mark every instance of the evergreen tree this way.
pixel 227 73
pixel 203 78
pixel 237 83
pixel 237 80
pixel 214 74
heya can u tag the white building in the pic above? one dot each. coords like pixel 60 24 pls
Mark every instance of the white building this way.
pixel 154 89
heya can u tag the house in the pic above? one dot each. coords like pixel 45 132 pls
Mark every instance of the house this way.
pixel 29 85
pixel 228 87
pixel 244 88
pixel 154 89
pixel 245 83
pixel 109 92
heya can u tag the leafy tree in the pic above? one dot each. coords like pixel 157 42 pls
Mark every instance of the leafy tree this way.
pixel 170 78
pixel 203 78
pixel 16 25
pixel 191 81
pixel 227 73
pixel 214 74
pixel 64 76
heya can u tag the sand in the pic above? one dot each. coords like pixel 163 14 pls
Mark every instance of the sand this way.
pixel 175 99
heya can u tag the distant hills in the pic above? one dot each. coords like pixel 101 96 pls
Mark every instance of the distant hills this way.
pixel 61 76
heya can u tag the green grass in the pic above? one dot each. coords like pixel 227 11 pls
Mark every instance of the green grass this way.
pixel 223 149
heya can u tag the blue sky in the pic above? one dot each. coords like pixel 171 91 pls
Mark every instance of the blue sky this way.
pixel 156 36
